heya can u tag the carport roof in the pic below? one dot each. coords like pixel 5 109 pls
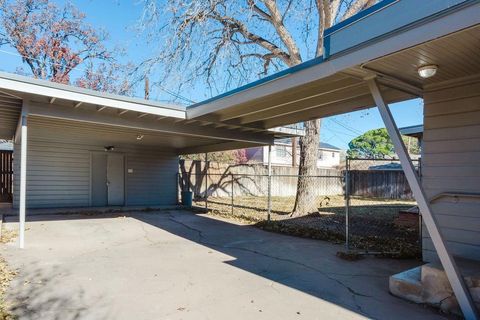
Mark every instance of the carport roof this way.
pixel 412 34
pixel 159 124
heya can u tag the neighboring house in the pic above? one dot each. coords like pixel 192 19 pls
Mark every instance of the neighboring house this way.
pixel 6 146
pixel 328 155
pixel 414 132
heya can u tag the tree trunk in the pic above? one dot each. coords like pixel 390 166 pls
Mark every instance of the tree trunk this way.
pixel 305 201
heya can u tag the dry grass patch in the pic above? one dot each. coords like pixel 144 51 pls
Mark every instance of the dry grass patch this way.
pixel 6 275
pixel 8 235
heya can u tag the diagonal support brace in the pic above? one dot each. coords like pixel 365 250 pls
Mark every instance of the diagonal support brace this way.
pixel 458 285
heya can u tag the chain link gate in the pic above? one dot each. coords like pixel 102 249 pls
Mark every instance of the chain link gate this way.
pixel 381 212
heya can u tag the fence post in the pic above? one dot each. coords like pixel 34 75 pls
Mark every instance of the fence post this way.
pixel 178 188
pixel 232 191
pixel 347 203
pixel 269 181
pixel 206 181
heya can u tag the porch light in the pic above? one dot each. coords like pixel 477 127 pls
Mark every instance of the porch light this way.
pixel 139 137
pixel 427 71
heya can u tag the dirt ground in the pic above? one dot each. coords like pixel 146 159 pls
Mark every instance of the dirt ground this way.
pixel 371 221
pixel 6 275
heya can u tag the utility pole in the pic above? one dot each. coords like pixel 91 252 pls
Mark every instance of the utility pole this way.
pixel 147 88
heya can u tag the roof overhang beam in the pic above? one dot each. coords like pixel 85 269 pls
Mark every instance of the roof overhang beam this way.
pixel 60 112
pixel 394 82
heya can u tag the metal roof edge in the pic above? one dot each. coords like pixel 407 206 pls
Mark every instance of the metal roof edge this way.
pixel 411 129
pixel 280 74
pixel 104 95
pixel 358 16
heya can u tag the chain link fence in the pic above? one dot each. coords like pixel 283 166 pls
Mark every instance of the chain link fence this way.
pixel 382 216
pixel 367 205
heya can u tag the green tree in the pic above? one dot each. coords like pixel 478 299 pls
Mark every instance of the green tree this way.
pixel 376 144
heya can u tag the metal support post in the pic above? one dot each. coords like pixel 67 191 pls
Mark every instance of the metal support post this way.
pixel 231 191
pixel 458 285
pixel 177 188
pixel 206 181
pixel 269 182
pixel 23 182
pixel 347 204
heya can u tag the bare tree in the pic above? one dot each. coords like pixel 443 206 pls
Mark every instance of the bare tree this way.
pixel 52 41
pixel 108 77
pixel 227 43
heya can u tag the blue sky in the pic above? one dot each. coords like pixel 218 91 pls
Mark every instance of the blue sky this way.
pixel 119 17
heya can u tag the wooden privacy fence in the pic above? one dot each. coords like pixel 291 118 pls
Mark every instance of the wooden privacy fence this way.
pixel 6 175
pixel 385 184
pixel 224 180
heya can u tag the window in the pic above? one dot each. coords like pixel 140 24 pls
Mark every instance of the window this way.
pixel 333 154
pixel 281 151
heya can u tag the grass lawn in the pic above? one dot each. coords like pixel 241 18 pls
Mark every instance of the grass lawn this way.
pixel 371 221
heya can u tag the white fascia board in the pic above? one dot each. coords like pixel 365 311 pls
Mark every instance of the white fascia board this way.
pixel 36 89
pixel 464 18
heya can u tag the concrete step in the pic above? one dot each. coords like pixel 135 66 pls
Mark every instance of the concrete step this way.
pixel 429 284
pixel 437 289
pixel 407 285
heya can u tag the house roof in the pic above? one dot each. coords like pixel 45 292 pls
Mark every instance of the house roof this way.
pixel 412 131
pixel 324 145
pixel 413 33
pixel 6 146
pixel 321 145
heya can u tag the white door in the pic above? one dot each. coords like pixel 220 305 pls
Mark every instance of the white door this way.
pixel 115 179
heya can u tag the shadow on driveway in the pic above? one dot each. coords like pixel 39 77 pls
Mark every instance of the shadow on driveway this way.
pixel 351 289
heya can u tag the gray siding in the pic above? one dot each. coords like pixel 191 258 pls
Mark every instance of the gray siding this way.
pixel 59 163
pixel 451 163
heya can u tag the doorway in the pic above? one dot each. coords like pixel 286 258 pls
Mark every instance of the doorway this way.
pixel 107 179
pixel 6 175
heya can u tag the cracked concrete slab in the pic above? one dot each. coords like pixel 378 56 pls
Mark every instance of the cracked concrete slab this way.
pixel 181 265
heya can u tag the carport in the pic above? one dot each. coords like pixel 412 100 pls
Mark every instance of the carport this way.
pixel 425 49
pixel 79 148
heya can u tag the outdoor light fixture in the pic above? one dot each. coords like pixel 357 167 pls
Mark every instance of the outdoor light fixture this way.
pixel 109 148
pixel 427 71
pixel 139 137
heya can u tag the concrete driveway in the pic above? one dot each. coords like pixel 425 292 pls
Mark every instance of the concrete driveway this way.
pixel 180 265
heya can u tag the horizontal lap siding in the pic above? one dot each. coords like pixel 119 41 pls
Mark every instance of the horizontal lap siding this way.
pixel 58 162
pixel 153 181
pixel 58 173
pixel 451 163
